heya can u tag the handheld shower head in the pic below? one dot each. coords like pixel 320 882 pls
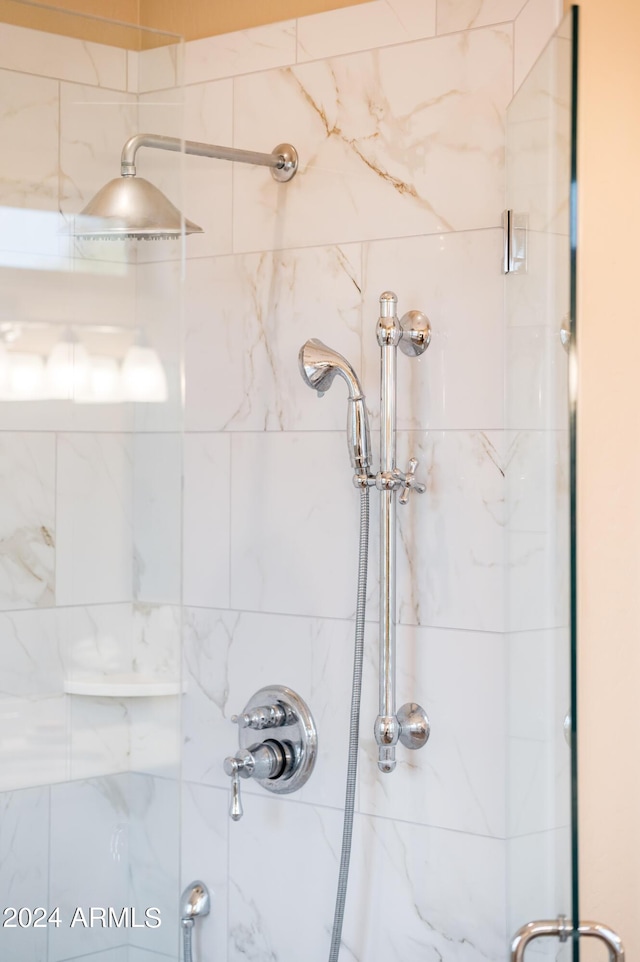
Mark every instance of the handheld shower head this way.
pixel 319 365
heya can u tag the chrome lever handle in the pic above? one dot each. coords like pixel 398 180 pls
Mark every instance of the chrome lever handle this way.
pixel 232 767
pixel 409 481
pixel 264 716
pixel 236 811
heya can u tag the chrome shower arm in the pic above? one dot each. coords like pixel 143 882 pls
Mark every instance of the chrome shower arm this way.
pixel 283 160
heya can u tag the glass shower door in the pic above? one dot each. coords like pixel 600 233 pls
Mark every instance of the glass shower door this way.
pixel 90 525
pixel 540 409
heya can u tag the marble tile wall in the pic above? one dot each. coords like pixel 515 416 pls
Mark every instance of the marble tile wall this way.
pixel 398 111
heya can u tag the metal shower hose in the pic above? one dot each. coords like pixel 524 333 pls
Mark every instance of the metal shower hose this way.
pixel 352 767
pixel 187 933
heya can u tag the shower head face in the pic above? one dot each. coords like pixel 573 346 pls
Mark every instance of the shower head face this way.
pixel 131 208
pixel 319 365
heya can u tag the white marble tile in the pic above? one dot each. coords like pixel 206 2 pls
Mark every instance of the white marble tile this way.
pixel 530 296
pixel 443 895
pixel 208 735
pixel 29 161
pixel 154 730
pixel 27 520
pixel 157 523
pixel 94 517
pixel 456 280
pixel 207 489
pixel 63 58
pixel 95 641
pixel 154 849
pixel 244 51
pixel 133 71
pixel 89 860
pixel 155 722
pixel 228 657
pixel 294 542
pixel 156 640
pixel 533 28
pixel 99 736
pixel 531 473
pixel 364 26
pixel 160 68
pixel 531 355
pixel 204 856
pixel 451 539
pixel 242 343
pixel 538 534
pixel 539 141
pixel 34 731
pixel 403 140
pixel 539 868
pixel 159 316
pixel 304 842
pixel 457 780
pixel 24 869
pixel 199 186
pixel 465 14
pixel 96 644
pixel 538 782
pixel 94 126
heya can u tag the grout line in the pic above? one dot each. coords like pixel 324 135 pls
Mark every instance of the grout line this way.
pixel 349 619
pixel 335 243
pixel 287 64
pixel 277 433
pixel 63 80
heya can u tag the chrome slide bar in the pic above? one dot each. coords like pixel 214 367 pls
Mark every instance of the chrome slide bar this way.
pixel 412 334
pixel 562 929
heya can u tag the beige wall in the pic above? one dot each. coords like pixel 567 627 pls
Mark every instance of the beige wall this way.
pixel 198 18
pixel 71 26
pixel 609 465
pixel 201 18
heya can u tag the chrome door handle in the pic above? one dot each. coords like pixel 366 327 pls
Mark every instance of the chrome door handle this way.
pixel 561 929
pixel 610 938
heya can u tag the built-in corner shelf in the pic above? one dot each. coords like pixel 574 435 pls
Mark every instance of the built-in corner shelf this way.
pixel 123 686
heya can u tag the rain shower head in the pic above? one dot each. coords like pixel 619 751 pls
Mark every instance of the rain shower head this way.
pixel 130 207
pixel 319 365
